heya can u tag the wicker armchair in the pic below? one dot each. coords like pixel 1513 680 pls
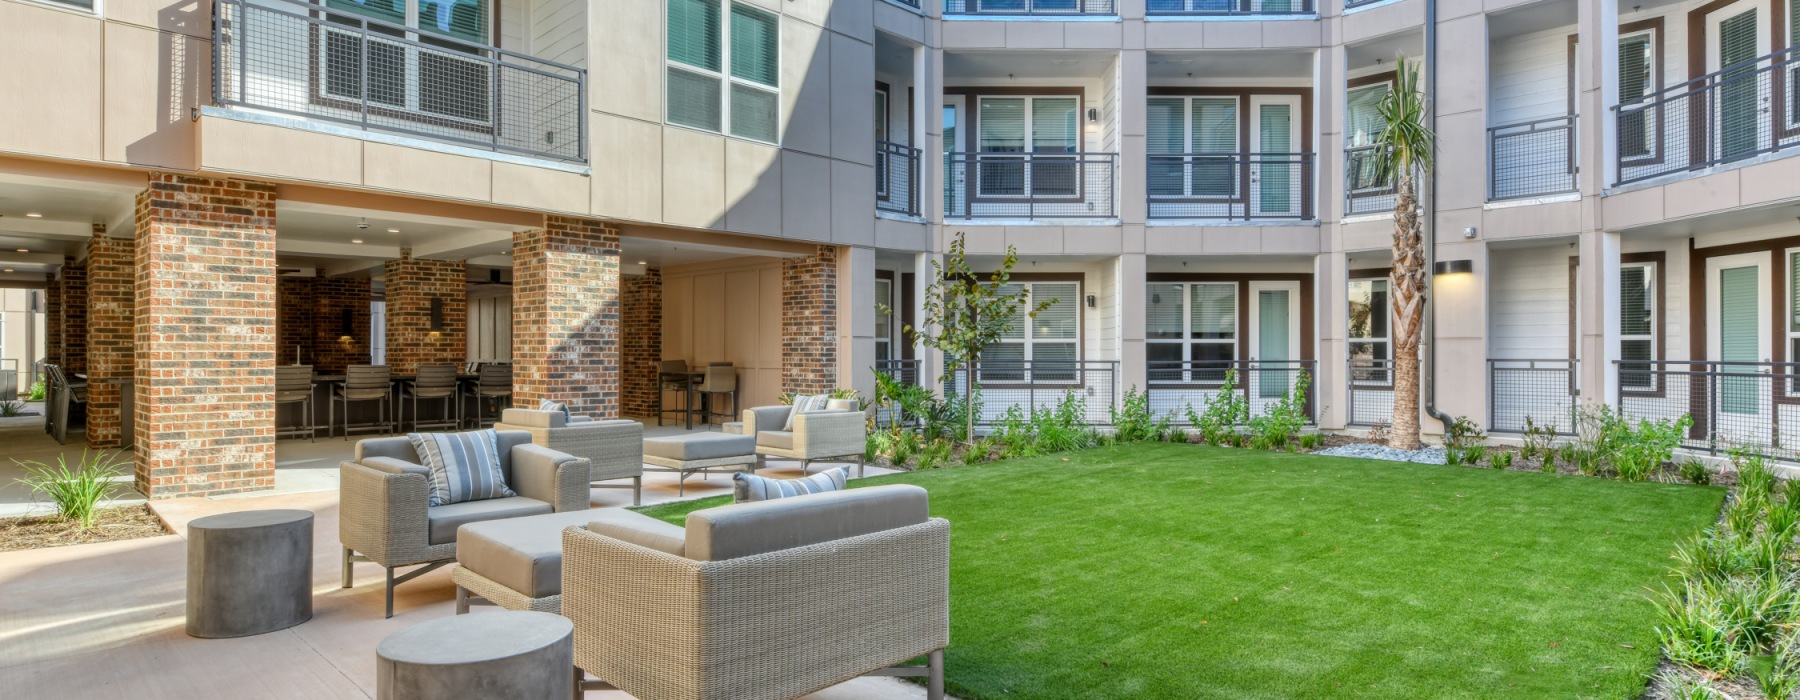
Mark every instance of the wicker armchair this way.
pixel 834 434
pixel 731 609
pixel 614 448
pixel 383 517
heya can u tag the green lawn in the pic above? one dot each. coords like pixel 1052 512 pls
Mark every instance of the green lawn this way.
pixel 1175 571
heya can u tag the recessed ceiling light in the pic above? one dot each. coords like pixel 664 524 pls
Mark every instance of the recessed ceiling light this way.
pixel 356 240
pixel 643 262
pixel 24 250
pixel 34 215
pixel 393 230
pixel 6 270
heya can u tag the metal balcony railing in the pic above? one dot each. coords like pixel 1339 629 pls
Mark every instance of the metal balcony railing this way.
pixel 1041 384
pixel 897 178
pixel 1029 7
pixel 990 185
pixel 1531 159
pixel 909 3
pixel 903 371
pixel 1231 186
pixel 1742 111
pixel 1174 387
pixel 1206 8
pixel 1542 390
pixel 1358 3
pixel 1368 183
pixel 1752 406
pixel 1371 396
pixel 311 61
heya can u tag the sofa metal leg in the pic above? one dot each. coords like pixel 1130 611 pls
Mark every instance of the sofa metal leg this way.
pixel 934 684
pixel 347 572
pixel 390 589
pixel 637 490
pixel 462 600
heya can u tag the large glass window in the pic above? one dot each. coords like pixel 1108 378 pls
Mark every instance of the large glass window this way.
pixel 1637 63
pixel 1368 331
pixel 1191 331
pixel 1193 145
pixel 1034 125
pixel 403 77
pixel 724 68
pixel 1041 349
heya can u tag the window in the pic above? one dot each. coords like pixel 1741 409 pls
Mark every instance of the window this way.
pixel 1190 331
pixel 723 71
pixel 405 78
pixel 1370 339
pixel 1206 128
pixel 1793 313
pixel 1034 125
pixel 1637 324
pixel 1362 127
pixel 1041 349
pixel 87 5
pixel 1637 80
pixel 884 320
pixel 881 136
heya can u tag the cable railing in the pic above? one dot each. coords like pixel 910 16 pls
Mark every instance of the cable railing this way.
pixel 1040 384
pixel 1175 386
pixel 1749 406
pixel 318 63
pixel 1017 8
pixel 1209 8
pixel 1231 186
pixel 1541 390
pixel 1531 158
pixel 1371 395
pixel 1744 110
pixel 1368 183
pixel 897 178
pixel 1012 185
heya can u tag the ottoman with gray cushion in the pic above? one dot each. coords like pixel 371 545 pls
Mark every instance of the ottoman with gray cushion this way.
pixel 688 453
pixel 249 572
pixel 517 563
pixel 503 655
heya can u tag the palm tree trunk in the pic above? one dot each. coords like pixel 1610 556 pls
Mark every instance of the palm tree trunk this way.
pixel 1408 283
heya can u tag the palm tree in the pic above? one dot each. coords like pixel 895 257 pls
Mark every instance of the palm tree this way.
pixel 1406 146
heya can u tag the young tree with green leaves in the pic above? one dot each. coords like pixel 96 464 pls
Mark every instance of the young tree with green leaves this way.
pixel 1406 146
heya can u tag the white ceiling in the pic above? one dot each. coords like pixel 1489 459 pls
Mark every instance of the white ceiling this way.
pixel 1364 55
pixel 1530 18
pixel 892 57
pixel 1235 65
pixel 1024 65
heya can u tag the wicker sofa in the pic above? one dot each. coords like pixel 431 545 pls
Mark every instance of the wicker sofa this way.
pixel 835 434
pixel 732 608
pixel 383 517
pixel 614 448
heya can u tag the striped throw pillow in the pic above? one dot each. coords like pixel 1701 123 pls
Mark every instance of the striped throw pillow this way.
pixel 548 406
pixel 747 488
pixel 805 404
pixel 464 466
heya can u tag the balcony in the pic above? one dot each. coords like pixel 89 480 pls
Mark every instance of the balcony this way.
pixel 1225 8
pixel 309 61
pixel 1227 186
pixel 1368 184
pixel 1029 8
pixel 1013 185
pixel 1748 406
pixel 896 178
pixel 1177 385
pixel 1531 159
pixel 1745 110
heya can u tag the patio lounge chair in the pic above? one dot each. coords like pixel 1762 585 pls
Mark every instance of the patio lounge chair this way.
pixel 614 448
pixel 839 433
pixel 383 517
pixel 732 608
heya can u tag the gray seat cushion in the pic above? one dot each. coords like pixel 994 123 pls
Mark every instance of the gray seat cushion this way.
pixel 525 554
pixel 445 519
pixel 695 446
pixel 747 529
pixel 779 439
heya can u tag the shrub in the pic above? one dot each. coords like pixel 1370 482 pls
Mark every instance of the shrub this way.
pixel 1281 422
pixel 1463 433
pixel 978 452
pixel 1133 422
pixel 38 391
pixel 1781 678
pixel 935 454
pixel 1311 441
pixel 77 490
pixel 1064 427
pixel 1636 452
pixel 1501 460
pixel 1015 435
pixel 1476 454
pixel 1680 686
pixel 1695 472
pixel 9 409
pixel 1538 440
pixel 1452 456
pixel 1696 631
pixel 876 445
pixel 1228 410
pixel 905 445
pixel 1756 479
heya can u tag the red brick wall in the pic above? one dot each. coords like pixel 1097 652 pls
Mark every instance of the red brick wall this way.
pixel 410 286
pixel 205 336
pixel 640 341
pixel 566 316
pixel 331 295
pixel 809 322
pixel 294 320
pixel 74 318
pixel 111 321
pixel 53 319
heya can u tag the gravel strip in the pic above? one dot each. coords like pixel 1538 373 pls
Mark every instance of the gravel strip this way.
pixel 1364 450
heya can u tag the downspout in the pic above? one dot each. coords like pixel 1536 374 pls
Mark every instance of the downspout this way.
pixel 1430 223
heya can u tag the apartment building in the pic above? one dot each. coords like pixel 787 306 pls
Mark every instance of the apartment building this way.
pixel 584 188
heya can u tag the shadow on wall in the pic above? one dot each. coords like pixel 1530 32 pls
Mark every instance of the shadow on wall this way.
pixel 182 83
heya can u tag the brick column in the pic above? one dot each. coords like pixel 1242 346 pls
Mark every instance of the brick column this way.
pixel 205 336
pixel 112 308
pixel 411 286
pixel 332 296
pixel 809 322
pixel 294 319
pixel 53 320
pixel 74 318
pixel 640 342
pixel 566 316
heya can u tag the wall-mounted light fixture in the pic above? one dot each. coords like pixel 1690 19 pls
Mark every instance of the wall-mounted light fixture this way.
pixel 1093 116
pixel 1090 300
pixel 437 315
pixel 346 326
pixel 1469 232
pixel 1453 267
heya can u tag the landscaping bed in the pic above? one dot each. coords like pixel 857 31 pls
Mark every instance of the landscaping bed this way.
pixel 110 525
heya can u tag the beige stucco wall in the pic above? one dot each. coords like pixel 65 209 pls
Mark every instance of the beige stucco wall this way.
pixel 726 311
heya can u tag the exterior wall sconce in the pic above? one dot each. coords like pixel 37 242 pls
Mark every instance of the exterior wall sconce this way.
pixel 1453 267
pixel 346 329
pixel 1090 301
pixel 1093 115
pixel 437 315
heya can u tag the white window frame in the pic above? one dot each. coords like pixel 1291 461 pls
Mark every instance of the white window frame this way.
pixel 1029 156
pixel 1652 283
pixel 1387 341
pixel 1187 143
pixel 1653 60
pixel 724 75
pixel 1187 339
pixel 1792 334
pixel 1030 342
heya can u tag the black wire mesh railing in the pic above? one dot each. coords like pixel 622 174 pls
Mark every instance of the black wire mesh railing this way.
pixel 1752 406
pixel 1741 111
pixel 903 371
pixel 1542 390
pixel 1205 8
pixel 1029 7
pixel 1531 159
pixel 896 178
pixel 1231 186
pixel 1368 183
pixel 990 185
pixel 1174 387
pixel 1040 385
pixel 307 60
pixel 1371 392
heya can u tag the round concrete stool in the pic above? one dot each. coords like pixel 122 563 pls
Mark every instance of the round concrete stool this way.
pixel 504 655
pixel 249 572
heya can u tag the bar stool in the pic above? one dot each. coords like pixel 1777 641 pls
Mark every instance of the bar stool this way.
pixel 363 383
pixel 721 378
pixel 493 382
pixel 672 375
pixel 294 385
pixel 434 383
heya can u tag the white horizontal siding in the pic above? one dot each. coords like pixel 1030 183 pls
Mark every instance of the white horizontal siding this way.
pixel 1529 304
pixel 1528 76
pixel 559 31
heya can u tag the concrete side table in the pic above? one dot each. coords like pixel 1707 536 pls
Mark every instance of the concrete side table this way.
pixel 502 655
pixel 249 572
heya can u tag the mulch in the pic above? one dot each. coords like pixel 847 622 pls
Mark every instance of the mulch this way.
pixel 112 525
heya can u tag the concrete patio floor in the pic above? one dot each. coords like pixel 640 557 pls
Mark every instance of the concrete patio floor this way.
pixel 106 620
